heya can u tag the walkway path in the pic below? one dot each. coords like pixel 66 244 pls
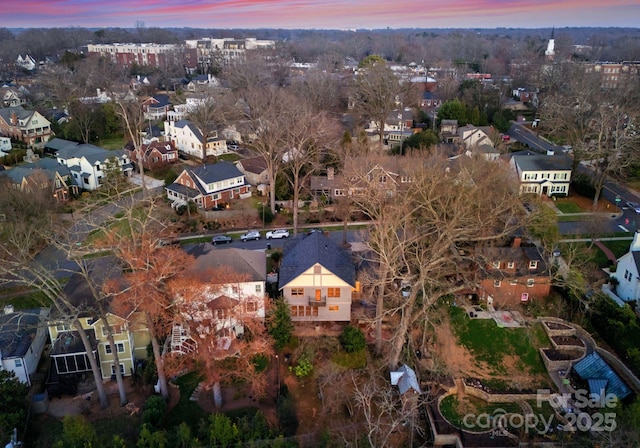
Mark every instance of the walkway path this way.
pixel 610 255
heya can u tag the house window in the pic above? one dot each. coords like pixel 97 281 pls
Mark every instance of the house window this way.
pixel 496 264
pixel 294 311
pixel 115 329
pixel 113 370
pixel 18 362
pixel 627 275
pixel 317 269
pixel 511 265
pixel 530 282
pixel 497 283
pixel 297 292
pixel 334 308
pixel 513 282
pixel 119 347
pixel 63 327
pixel 333 292
pixel 533 264
pixel 252 307
pixel 258 289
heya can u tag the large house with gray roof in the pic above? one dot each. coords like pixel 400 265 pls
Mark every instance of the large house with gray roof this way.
pixel 186 136
pixel 43 175
pixel 628 273
pixel 86 162
pixel 27 126
pixel 317 278
pixel 542 174
pixel 209 186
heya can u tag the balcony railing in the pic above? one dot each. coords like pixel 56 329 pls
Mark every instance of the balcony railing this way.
pixel 313 301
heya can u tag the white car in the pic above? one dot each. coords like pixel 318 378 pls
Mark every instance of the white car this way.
pixel 251 235
pixel 279 233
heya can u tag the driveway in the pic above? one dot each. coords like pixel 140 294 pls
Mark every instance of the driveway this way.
pixel 150 182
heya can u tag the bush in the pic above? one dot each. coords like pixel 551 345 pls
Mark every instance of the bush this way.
pixel 352 339
pixel 154 409
pixel 583 185
pixel 286 413
pixel 303 368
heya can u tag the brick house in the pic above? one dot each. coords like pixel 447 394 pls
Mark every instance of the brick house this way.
pixel 27 126
pixel 511 275
pixel 154 155
pixel 209 186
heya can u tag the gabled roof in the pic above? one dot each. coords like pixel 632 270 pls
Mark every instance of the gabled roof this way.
pixel 47 166
pixel 189 125
pixel 21 113
pixel 216 172
pixel 249 262
pixel 17 330
pixel 306 251
pixel 87 151
pixel 405 378
pixel 254 165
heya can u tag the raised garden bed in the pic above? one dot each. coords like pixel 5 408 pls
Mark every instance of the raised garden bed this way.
pixel 568 340
pixel 561 355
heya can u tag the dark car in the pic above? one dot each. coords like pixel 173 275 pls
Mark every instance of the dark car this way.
pixel 221 239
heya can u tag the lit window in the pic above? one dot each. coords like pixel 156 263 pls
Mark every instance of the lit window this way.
pixel 297 291
pixel 334 308
pixel 333 292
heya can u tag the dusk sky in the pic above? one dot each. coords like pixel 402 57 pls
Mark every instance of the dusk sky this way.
pixel 320 14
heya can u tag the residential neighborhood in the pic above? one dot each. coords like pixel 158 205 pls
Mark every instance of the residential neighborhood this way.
pixel 236 238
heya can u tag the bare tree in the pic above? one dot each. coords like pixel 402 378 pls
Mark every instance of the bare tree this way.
pixel 599 123
pixel 378 91
pixel 132 115
pixel 414 241
pixel 308 134
pixel 263 110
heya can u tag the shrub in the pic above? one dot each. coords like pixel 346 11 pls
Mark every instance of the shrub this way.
pixel 154 409
pixel 303 368
pixel 583 185
pixel 352 339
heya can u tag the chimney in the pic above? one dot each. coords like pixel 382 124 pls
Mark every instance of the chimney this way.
pixel 517 241
pixel 14 118
pixel 635 244
pixel 330 173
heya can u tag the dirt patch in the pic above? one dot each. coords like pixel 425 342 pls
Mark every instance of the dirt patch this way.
pixel 456 357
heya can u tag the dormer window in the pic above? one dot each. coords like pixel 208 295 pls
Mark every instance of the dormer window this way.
pixel 496 264
pixel 533 264
pixel 511 265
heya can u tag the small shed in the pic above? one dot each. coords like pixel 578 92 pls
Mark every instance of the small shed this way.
pixel 406 380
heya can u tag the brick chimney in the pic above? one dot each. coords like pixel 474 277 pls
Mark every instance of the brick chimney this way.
pixel 330 172
pixel 517 241
pixel 14 118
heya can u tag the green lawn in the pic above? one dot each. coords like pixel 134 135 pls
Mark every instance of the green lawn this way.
pixel 449 407
pixel 112 143
pixel 568 207
pixel 490 344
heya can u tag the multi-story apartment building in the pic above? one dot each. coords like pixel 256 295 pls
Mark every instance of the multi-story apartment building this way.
pixel 125 55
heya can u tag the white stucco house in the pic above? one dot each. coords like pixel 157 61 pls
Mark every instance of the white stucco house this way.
pixel 23 335
pixel 542 174
pixel 628 272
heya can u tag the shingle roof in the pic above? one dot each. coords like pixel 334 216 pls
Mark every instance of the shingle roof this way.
pixel 17 330
pixel 215 172
pixel 21 113
pixel 250 262
pixel 539 162
pixel 306 251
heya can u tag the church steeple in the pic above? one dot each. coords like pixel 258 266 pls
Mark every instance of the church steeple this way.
pixel 550 51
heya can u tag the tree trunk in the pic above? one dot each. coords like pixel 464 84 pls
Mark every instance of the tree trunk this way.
pixel 380 307
pixel 95 369
pixel 272 188
pixel 141 170
pixel 159 360
pixel 217 395
pixel 296 211
pixel 116 367
pixel 401 332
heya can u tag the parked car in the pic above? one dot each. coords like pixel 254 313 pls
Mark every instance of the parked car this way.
pixel 634 206
pixel 251 235
pixel 221 239
pixel 278 233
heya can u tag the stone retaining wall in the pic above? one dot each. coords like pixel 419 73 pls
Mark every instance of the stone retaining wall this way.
pixel 571 331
